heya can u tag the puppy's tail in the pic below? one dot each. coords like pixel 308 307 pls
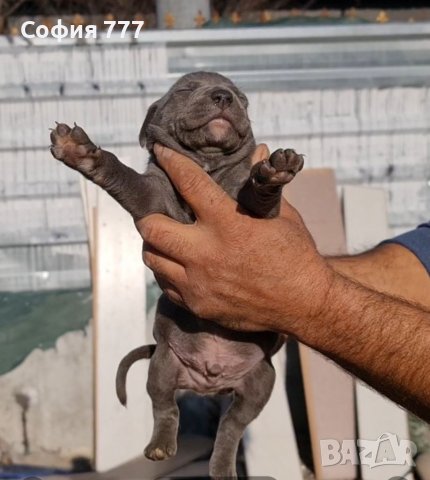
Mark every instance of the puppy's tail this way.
pixel 146 351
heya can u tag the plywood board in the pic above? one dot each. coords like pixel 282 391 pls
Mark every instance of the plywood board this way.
pixel 366 224
pixel 119 325
pixel 270 444
pixel 329 390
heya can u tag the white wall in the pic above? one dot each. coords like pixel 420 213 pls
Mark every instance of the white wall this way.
pixel 369 135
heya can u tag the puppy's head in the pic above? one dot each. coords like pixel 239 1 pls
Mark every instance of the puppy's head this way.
pixel 203 113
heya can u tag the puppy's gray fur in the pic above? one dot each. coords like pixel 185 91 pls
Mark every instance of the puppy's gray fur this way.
pixel 204 116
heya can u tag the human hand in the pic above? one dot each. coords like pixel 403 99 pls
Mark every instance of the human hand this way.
pixel 245 273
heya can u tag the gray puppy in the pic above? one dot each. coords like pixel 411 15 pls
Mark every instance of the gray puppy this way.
pixel 204 116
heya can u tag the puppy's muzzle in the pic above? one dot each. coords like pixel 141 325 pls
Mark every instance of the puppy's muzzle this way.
pixel 222 98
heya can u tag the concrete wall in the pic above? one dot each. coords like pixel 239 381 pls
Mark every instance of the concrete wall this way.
pixel 46 412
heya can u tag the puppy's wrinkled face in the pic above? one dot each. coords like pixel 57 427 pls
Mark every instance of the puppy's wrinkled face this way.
pixel 204 112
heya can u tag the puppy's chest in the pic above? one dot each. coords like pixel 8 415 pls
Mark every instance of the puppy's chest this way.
pixel 232 180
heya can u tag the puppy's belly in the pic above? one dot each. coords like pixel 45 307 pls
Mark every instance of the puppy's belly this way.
pixel 216 364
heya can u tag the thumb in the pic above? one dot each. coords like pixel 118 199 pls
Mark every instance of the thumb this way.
pixel 261 153
pixel 205 197
pixel 287 210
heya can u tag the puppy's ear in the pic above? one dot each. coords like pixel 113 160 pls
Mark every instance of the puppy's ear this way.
pixel 143 135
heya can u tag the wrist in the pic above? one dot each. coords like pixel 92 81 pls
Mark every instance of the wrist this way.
pixel 317 327
pixel 305 317
pixel 336 327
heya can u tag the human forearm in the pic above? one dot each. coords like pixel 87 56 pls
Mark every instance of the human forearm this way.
pixel 382 340
pixel 389 268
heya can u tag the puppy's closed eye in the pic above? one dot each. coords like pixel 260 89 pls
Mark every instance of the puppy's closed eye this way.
pixel 241 96
pixel 244 101
pixel 187 88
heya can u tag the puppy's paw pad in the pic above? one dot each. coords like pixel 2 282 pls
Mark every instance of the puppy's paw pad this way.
pixel 281 168
pixel 160 452
pixel 73 147
pixel 62 130
pixel 287 160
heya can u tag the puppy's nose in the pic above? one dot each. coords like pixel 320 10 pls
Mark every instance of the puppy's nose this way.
pixel 222 98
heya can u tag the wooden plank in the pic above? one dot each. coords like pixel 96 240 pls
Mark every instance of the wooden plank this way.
pixel 270 444
pixel 119 325
pixel 329 390
pixel 89 200
pixel 366 224
pixel 365 217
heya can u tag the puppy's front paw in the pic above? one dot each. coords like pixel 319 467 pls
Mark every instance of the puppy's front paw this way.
pixel 74 148
pixel 280 169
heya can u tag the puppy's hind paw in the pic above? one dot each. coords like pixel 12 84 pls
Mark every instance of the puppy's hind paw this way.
pixel 160 451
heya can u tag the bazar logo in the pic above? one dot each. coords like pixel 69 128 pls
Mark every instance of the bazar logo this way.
pixel 385 450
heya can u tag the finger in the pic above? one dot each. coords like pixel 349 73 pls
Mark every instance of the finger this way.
pixel 287 210
pixel 261 153
pixel 170 291
pixel 171 238
pixel 195 186
pixel 290 214
pixel 165 267
pixel 168 274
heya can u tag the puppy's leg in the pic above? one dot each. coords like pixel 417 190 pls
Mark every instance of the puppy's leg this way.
pixel 74 148
pixel 161 386
pixel 249 399
pixel 262 193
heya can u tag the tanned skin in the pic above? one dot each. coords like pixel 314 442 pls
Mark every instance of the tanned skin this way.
pixel 266 274
pixel 389 268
